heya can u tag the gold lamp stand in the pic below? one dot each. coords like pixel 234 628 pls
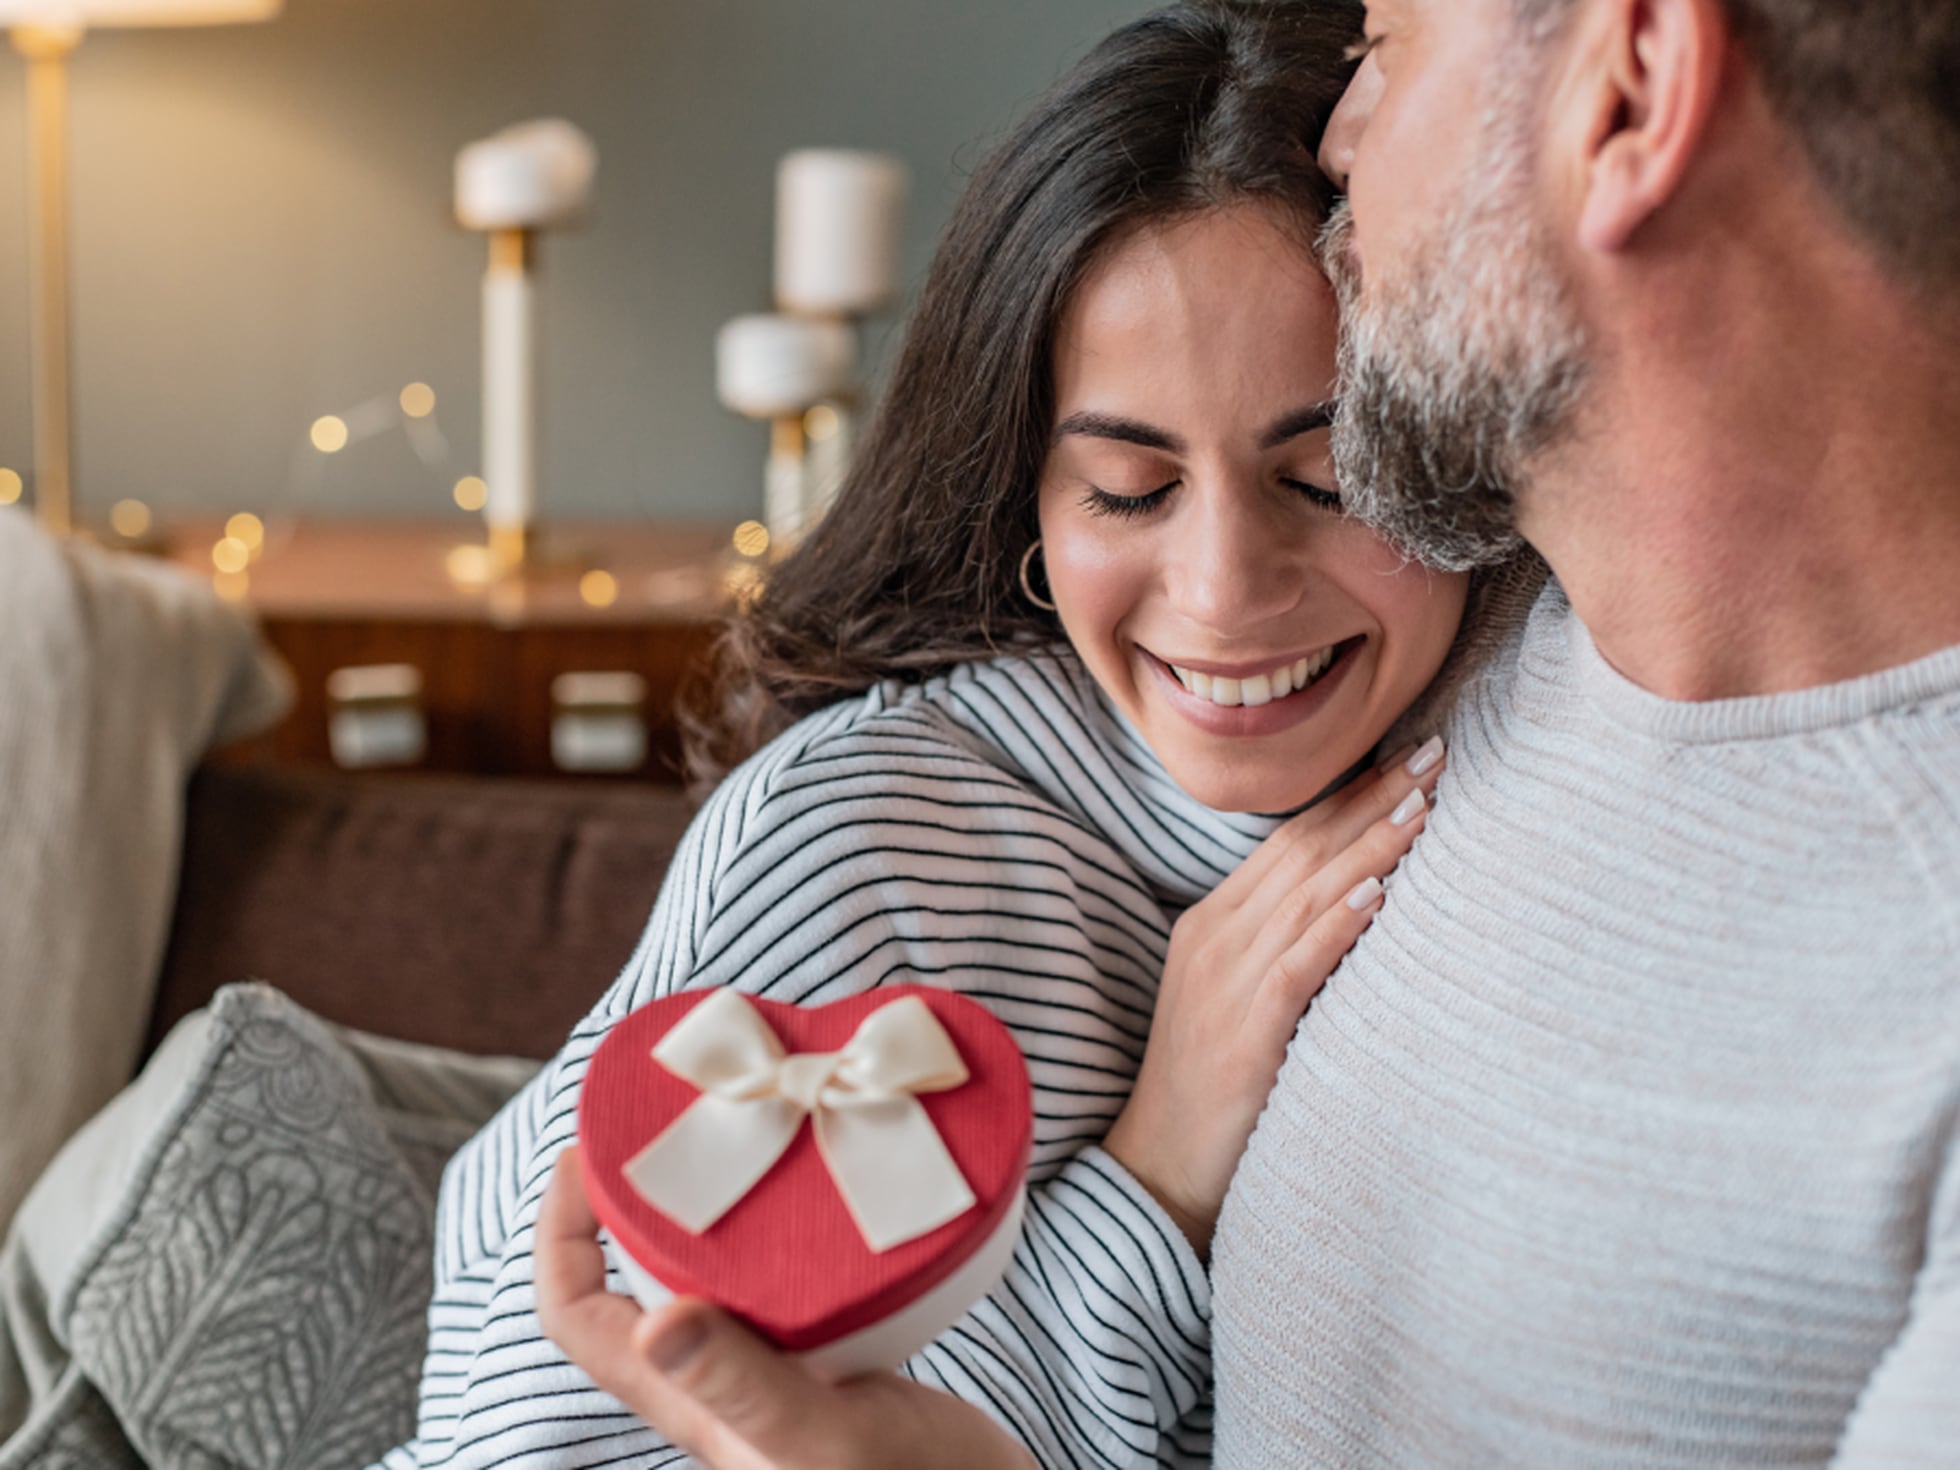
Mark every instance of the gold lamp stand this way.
pixel 46 49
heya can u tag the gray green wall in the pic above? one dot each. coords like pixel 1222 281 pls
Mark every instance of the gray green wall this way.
pixel 262 230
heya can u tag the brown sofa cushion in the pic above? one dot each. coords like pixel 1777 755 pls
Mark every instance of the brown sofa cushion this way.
pixel 484 915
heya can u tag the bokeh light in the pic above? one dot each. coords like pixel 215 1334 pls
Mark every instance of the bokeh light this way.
pixel 329 434
pixel 418 400
pixel 231 555
pixel 10 487
pixel 751 538
pixel 470 566
pixel 471 492
pixel 129 518
pixel 249 529
pixel 599 589
pixel 822 423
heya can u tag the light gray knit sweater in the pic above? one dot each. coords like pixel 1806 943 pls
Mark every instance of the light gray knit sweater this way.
pixel 1628 1136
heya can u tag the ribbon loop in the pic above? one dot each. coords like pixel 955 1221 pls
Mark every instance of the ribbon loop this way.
pixel 885 1156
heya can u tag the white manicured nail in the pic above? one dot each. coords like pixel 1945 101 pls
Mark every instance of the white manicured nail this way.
pixel 1365 894
pixel 1412 807
pixel 1424 760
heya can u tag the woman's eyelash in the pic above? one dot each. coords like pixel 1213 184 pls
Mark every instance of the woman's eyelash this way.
pixel 1102 503
pixel 1358 49
pixel 1325 499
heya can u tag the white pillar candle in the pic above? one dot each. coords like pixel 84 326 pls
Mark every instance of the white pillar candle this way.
pixel 530 176
pixel 839 215
pixel 768 367
pixel 509 398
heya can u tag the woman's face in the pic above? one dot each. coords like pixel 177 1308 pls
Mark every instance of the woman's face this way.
pixel 1191 527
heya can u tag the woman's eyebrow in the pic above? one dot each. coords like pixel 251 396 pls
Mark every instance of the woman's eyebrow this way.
pixel 1300 421
pixel 1126 431
pixel 1134 431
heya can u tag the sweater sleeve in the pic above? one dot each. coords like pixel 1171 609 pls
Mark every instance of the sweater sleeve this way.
pixel 854 863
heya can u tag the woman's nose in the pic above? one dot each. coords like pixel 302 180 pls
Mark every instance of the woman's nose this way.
pixel 1350 119
pixel 1238 567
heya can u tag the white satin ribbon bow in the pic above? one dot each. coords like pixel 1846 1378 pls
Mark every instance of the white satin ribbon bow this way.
pixel 886 1158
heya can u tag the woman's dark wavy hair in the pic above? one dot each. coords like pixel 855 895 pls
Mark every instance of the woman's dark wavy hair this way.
pixel 916 567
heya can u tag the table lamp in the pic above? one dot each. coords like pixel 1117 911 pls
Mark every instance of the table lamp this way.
pixel 44 32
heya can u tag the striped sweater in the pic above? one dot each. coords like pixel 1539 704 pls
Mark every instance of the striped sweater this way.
pixel 1002 832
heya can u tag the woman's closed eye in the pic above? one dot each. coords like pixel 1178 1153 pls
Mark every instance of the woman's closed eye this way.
pixel 1098 501
pixel 1113 503
pixel 1317 495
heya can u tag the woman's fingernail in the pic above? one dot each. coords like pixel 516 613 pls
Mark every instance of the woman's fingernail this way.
pixel 1365 894
pixel 1399 758
pixel 1412 806
pixel 675 1345
pixel 1425 760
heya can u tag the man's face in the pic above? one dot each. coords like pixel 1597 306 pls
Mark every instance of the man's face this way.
pixel 1462 355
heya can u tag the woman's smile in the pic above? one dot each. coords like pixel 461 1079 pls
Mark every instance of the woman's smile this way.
pixel 1255 700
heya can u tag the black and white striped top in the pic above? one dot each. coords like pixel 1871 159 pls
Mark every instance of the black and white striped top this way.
pixel 1002 832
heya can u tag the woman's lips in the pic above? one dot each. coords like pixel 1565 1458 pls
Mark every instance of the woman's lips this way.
pixel 1251 721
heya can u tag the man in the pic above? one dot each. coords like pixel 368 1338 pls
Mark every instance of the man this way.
pixel 1630 1134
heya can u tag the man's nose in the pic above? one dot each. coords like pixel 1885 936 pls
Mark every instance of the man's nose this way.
pixel 1350 119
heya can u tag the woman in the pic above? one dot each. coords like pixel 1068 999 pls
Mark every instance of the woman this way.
pixel 1085 609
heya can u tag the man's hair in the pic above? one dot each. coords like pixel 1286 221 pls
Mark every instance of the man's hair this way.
pixel 1871 88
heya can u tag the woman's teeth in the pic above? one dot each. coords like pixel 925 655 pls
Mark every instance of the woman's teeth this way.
pixel 1260 688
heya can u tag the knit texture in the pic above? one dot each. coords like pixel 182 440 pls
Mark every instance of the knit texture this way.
pixel 1627 1135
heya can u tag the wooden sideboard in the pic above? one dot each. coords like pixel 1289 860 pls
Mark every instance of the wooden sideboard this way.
pixel 335 594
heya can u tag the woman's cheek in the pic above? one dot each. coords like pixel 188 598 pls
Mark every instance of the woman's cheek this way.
pixel 1419 611
pixel 1091 572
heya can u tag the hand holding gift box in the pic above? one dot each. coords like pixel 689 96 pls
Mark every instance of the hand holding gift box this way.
pixel 848 1178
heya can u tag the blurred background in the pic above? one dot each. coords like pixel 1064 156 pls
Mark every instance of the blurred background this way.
pixel 263 230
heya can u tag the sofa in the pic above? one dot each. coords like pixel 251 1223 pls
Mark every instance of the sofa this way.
pixel 479 914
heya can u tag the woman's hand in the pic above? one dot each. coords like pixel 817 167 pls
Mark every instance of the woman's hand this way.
pixel 720 1393
pixel 1243 964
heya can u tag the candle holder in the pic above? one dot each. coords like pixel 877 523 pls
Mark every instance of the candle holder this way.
pixel 839 218
pixel 776 369
pixel 513 186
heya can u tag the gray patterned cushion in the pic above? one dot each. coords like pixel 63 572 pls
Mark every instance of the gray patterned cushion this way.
pixel 254 1297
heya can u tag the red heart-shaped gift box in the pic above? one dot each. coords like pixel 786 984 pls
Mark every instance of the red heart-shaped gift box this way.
pixel 789 1257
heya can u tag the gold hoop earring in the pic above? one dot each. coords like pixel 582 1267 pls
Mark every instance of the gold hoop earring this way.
pixel 1027 582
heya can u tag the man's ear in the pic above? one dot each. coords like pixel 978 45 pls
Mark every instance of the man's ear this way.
pixel 1647 80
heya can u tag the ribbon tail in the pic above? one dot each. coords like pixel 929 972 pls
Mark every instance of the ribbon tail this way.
pixel 712 1155
pixel 892 1168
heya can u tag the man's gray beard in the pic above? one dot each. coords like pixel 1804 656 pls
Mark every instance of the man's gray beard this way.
pixel 1455 375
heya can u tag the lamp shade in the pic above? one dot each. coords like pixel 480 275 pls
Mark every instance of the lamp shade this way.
pixel 61 13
